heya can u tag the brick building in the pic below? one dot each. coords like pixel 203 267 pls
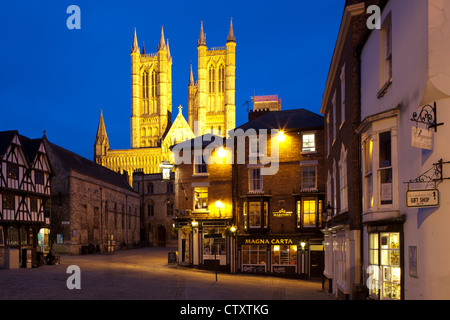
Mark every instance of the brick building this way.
pixel 341 110
pixel 278 193
pixel 203 202
pixel 90 205
pixel 157 199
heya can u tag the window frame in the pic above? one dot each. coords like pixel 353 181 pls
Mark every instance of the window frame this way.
pixel 198 200
pixel 200 168
pixel 306 149
pixel 302 178
pixel 252 181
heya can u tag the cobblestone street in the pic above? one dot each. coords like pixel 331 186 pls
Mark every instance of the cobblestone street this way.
pixel 144 274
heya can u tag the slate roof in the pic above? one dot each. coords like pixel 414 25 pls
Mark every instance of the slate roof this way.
pixel 75 162
pixel 300 119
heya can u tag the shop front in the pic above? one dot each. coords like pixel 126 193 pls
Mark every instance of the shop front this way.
pixel 205 244
pixel 276 255
pixel 385 261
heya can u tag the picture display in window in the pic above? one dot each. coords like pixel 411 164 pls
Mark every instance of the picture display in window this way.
pixel 384 260
pixel 201 198
pixel 308 142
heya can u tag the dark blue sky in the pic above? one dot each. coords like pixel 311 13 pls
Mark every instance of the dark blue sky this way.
pixel 58 79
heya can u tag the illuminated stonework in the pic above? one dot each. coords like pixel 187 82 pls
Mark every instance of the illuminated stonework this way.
pixel 211 104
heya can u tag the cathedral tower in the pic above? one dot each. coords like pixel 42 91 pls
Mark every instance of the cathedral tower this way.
pixel 151 82
pixel 212 98
pixel 101 145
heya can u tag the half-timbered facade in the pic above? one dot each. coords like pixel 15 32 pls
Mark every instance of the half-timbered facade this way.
pixel 25 176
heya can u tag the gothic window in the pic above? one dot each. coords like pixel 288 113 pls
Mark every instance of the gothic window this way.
pixel 154 92
pixel 211 79
pixel 221 78
pixel 211 89
pixel 145 84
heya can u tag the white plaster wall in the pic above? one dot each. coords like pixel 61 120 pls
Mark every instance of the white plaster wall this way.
pixel 421 75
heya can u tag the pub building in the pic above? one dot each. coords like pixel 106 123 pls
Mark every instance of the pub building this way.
pixel 203 204
pixel 278 214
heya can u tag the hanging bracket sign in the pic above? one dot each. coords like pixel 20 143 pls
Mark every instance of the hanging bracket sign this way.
pixel 422 198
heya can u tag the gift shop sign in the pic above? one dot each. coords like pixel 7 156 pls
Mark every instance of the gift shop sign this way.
pixel 422 198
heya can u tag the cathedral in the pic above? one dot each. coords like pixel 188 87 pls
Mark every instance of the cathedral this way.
pixel 211 105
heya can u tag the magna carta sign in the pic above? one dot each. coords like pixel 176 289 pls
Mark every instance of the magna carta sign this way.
pixel 269 241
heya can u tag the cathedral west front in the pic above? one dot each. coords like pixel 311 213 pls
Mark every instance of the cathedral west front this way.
pixel 211 105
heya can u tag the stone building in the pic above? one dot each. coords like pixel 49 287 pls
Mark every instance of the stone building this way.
pixel 278 194
pixel 90 205
pixel 211 104
pixel 157 199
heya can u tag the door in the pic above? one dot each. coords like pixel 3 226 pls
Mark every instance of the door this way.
pixel 317 264
pixel 161 236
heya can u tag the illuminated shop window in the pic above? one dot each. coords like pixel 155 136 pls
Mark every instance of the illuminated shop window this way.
pixel 254 255
pixel 384 280
pixel 284 255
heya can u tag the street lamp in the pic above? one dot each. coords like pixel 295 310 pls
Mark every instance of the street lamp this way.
pixel 281 137
pixel 327 212
pixel 219 206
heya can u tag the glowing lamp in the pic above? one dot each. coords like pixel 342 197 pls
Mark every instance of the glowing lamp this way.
pixel 222 152
pixel 281 136
pixel 303 244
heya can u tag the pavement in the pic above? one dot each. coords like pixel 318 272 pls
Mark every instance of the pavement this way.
pixel 144 274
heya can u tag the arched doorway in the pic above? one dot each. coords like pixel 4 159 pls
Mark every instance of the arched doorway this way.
pixel 161 236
